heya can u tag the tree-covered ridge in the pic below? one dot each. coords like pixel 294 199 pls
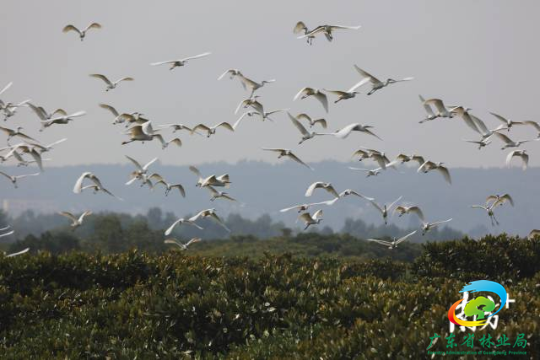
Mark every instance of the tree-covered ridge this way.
pixel 177 305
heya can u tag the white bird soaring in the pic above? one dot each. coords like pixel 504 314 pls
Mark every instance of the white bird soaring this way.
pixel 430 165
pixel 393 244
pixel 75 222
pixel 321 185
pixel 82 33
pixel 17 132
pixel 253 85
pixel 521 154
pixel 481 143
pixel 252 102
pixel 216 194
pixel 509 143
pixel 311 220
pixel 15 178
pixel 210 213
pixel 442 111
pixel 211 130
pixel 316 93
pixel 402 210
pixel 180 245
pixel 144 132
pixel 212 180
pixel 312 122
pixel 182 221
pixel 306 134
pixel 121 117
pixel 232 74
pixel 288 153
pixel 43 114
pixel 326 30
pixel 384 209
pixel 427 226
pixel 304 207
pixel 264 116
pixel 110 84
pixel 10 109
pixel 379 157
pixel 168 187
pixel 347 130
pixel 348 94
pixel 492 202
pixel 509 123
pixel 141 172
pixel 96 186
pixel 176 127
pixel 369 172
pixel 179 62
pixel 61 120
pixel 377 84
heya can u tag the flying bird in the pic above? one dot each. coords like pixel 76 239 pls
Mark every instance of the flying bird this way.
pixel 141 171
pixel 377 84
pixel 82 33
pixel 312 122
pixel 326 30
pixel 75 222
pixel 402 210
pixel 43 114
pixel 182 221
pixel 110 84
pixel 521 154
pixel 509 143
pixel 304 207
pixel 15 178
pixel 168 187
pixel 384 209
pixel 216 194
pixel 17 132
pixel 96 186
pixel 427 226
pixel 180 245
pixel 212 180
pixel 211 130
pixel 306 134
pixel 321 185
pixel 311 220
pixel 347 130
pixel 288 153
pixel 492 202
pixel 430 165
pixel 61 120
pixel 316 93
pixel 210 213
pixel 393 244
pixel 179 62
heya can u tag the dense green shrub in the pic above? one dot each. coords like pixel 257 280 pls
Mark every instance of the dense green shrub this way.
pixel 176 305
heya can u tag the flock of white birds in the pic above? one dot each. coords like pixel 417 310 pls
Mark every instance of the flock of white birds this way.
pixel 140 129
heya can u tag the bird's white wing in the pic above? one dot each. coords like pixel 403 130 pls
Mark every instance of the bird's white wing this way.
pixel 83 215
pixel 301 92
pixel 382 242
pixel 7 234
pixel 19 253
pixel 358 84
pixel 93 26
pixel 298 125
pixel 445 173
pixel 163 62
pixel 110 108
pixel 196 56
pixel 145 167
pixel 370 78
pixel 417 211
pixel 399 241
pixel 394 203
pixel 68 215
pixel 297 159
pixel 346 131
pixel 376 206
pixel 39 111
pixel 440 222
pixel 312 188
pixel 322 99
pixel 135 162
pixel 193 241
pixel 6 88
pixel 318 214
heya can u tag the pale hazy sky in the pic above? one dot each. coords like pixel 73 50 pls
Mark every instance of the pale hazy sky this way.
pixel 480 54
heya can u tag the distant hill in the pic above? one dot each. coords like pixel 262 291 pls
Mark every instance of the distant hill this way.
pixel 263 188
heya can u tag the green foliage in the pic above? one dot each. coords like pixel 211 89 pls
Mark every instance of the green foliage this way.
pixel 494 257
pixel 177 305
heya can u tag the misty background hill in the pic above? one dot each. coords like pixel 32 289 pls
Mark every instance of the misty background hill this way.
pixel 263 188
